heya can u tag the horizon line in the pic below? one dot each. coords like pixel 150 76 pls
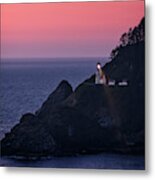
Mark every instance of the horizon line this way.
pixel 56 57
pixel 47 60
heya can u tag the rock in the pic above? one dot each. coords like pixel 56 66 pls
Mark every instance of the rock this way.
pixel 64 129
pixel 28 138
pixel 27 117
pixel 31 137
pixel 63 90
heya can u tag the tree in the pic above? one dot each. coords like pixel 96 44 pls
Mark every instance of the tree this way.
pixel 124 39
pixel 133 36
pixel 114 52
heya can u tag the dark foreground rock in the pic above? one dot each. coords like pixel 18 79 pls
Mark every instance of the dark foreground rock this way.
pixel 32 136
pixel 28 138
pixel 92 119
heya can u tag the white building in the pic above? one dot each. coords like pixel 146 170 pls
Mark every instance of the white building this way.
pixel 111 83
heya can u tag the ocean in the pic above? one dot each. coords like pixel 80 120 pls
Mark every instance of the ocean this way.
pixel 94 161
pixel 25 86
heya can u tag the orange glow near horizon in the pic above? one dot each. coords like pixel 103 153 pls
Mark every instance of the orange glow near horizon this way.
pixel 76 29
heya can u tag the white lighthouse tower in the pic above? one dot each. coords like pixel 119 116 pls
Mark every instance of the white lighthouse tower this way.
pixel 100 77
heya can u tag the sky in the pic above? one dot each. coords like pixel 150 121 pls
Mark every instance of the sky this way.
pixel 83 29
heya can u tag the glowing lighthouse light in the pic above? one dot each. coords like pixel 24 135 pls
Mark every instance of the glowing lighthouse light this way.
pixel 100 77
pixel 98 66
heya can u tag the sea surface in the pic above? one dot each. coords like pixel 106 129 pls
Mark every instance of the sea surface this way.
pixel 97 161
pixel 26 84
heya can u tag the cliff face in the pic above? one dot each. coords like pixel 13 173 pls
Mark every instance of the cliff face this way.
pixel 129 64
pixel 81 123
pixel 32 136
pixel 93 118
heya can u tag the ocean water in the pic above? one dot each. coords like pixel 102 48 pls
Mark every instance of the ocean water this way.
pixel 25 86
pixel 97 161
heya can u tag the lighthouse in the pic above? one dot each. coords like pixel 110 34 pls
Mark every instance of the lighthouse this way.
pixel 100 77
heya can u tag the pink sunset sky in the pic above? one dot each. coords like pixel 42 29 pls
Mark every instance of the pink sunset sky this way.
pixel 83 29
